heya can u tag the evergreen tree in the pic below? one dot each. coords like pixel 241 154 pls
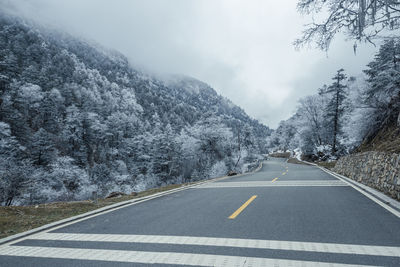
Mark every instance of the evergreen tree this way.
pixel 42 148
pixel 15 170
pixel 335 107
pixel 382 95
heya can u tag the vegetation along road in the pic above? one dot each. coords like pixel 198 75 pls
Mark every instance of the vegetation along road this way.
pixel 283 215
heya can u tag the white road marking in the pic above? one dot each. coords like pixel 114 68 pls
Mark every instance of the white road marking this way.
pixel 227 242
pixel 154 257
pixel 368 195
pixel 274 184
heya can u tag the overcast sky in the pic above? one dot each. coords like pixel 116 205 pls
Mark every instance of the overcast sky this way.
pixel 243 49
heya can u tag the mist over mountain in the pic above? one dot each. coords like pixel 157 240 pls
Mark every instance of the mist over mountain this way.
pixel 76 117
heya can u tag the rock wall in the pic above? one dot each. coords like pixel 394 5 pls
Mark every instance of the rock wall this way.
pixel 379 170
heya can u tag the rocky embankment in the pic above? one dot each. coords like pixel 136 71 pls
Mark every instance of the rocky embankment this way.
pixel 379 170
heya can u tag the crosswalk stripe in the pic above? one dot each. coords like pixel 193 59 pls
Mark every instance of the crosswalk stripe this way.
pixel 227 242
pixel 155 257
pixel 274 184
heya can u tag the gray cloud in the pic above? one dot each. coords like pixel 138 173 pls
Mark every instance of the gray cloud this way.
pixel 241 48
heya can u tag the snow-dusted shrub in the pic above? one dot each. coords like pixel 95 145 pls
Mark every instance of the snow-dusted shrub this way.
pixel 218 169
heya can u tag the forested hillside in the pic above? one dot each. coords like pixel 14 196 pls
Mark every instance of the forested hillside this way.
pixel 77 118
pixel 349 114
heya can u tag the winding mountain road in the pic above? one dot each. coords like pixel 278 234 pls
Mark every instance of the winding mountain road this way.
pixel 283 215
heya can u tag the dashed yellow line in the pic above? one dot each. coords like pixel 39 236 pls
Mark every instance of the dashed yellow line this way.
pixel 274 179
pixel 239 210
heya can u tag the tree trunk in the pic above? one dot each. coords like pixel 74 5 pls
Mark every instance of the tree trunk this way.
pixel 398 120
pixel 335 127
pixel 9 201
pixel 240 154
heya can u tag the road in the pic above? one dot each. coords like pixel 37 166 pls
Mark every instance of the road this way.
pixel 283 215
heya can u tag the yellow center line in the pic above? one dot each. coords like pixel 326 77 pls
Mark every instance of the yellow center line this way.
pixel 274 179
pixel 239 210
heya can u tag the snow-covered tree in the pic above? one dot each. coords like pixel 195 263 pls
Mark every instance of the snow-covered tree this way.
pixel 361 20
pixel 15 170
pixel 335 108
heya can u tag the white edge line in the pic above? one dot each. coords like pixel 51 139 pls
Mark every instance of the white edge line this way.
pixel 87 215
pixel 370 196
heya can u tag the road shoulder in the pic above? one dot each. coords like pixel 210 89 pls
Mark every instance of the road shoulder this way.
pixel 380 198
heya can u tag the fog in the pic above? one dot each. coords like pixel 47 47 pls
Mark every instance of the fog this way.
pixel 243 49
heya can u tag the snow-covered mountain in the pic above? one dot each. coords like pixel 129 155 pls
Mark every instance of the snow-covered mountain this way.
pixel 76 118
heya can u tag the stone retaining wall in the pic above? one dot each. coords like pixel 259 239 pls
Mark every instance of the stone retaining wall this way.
pixel 379 170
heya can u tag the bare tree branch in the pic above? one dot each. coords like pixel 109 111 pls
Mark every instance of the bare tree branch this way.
pixel 360 20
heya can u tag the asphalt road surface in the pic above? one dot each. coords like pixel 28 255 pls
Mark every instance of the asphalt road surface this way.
pixel 283 215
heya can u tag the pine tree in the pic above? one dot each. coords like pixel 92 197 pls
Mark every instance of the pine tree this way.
pixel 15 170
pixel 42 148
pixel 335 107
pixel 383 91
pixel 383 76
pixel 72 136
